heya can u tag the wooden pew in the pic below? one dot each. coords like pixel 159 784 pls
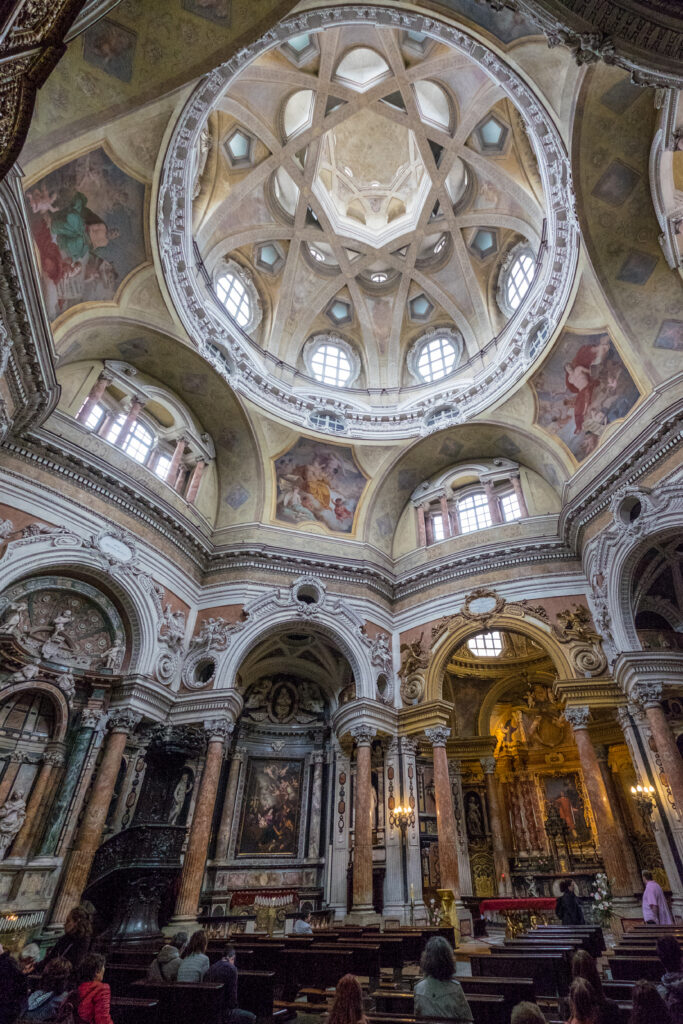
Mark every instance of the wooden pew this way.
pixel 513 991
pixel 391 950
pixel 551 973
pixel 486 1009
pixel 590 937
pixel 134 1011
pixel 120 977
pixel 184 1001
pixel 627 968
pixel 618 990
pixel 256 992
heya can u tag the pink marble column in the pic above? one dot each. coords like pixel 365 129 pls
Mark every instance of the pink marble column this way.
pixel 96 392
pixel 610 839
pixel 602 754
pixel 317 758
pixel 187 904
pixel 89 836
pixel 362 822
pixel 136 407
pixel 453 519
pixel 195 481
pixel 517 487
pixel 421 526
pixel 500 857
pixel 230 810
pixel 447 532
pixel 494 507
pixel 445 816
pixel 35 809
pixel 648 695
pixel 176 458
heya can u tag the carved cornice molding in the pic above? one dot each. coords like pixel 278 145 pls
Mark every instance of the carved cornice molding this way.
pixel 597 693
pixel 640 672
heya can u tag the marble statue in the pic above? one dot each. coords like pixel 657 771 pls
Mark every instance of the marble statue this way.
pixel 67 684
pixel 112 657
pixel 181 790
pixel 14 620
pixel 12 817
pixel 59 624
pixel 474 822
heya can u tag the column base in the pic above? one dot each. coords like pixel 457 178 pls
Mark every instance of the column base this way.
pixel 627 906
pixel 363 916
pixel 677 908
pixel 187 923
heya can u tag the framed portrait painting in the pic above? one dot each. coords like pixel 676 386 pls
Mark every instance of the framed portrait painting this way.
pixel 271 809
pixel 564 793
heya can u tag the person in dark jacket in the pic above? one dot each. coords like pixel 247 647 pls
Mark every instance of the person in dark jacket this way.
pixel 164 966
pixel 74 944
pixel 225 970
pixel 671 985
pixel 568 908
pixel 44 1003
pixel 13 989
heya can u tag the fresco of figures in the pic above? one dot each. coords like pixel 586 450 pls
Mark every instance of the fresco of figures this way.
pixel 87 222
pixel 318 483
pixel 270 817
pixel 582 388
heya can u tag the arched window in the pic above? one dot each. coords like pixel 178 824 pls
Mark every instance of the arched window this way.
pixel 516 278
pixel 95 418
pixel 139 443
pixel 510 507
pixel 331 360
pixel 233 294
pixel 436 358
pixel 163 465
pixel 474 513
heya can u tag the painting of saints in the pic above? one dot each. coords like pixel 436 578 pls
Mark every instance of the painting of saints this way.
pixel 318 483
pixel 582 388
pixel 87 224
pixel 270 816
pixel 564 794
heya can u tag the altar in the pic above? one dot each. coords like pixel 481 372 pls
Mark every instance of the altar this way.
pixel 519 914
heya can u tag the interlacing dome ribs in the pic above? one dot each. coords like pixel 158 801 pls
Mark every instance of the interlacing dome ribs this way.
pixel 380 185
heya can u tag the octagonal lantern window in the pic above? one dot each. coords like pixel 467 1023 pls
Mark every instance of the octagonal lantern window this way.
pixel 492 135
pixel 239 147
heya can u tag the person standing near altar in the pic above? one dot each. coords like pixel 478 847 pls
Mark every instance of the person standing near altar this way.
pixel 655 908
pixel 568 908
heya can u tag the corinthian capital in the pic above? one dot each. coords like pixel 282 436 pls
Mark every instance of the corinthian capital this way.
pixel 363 735
pixel 578 716
pixel 648 695
pixel 123 720
pixel 488 764
pixel 438 736
pixel 218 729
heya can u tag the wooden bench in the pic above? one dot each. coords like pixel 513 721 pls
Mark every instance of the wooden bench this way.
pixel 551 973
pixel 589 936
pixel 631 968
pixel 134 1011
pixel 513 991
pixel 120 977
pixel 619 990
pixel 184 1001
pixel 486 1009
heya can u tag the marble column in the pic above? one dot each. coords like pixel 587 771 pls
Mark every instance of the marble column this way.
pixel 230 810
pixel 96 392
pixel 421 526
pixel 445 818
pixel 195 480
pixel 176 458
pixel 136 407
pixel 602 754
pixel 35 809
pixel 362 853
pixel 341 814
pixel 409 746
pixel 464 866
pixel 187 904
pixel 89 835
pixel 317 758
pixel 500 858
pixel 14 762
pixel 90 719
pixel 447 531
pixel 394 896
pixel 517 487
pixel 494 506
pixel 649 696
pixel 610 838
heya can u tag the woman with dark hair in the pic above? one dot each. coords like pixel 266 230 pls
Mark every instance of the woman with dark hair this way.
pixel 647 1006
pixel 584 1007
pixel 347 1007
pixel 44 1003
pixel 567 907
pixel 194 963
pixel 94 996
pixel 584 966
pixel 439 994
pixel 75 942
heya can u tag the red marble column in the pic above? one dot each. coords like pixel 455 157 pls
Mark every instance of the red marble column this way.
pixel 613 797
pixel 517 487
pixel 187 904
pixel 609 837
pixel 136 407
pixel 90 832
pixel 447 532
pixel 193 486
pixel 230 810
pixel 362 822
pixel 494 507
pixel 23 843
pixel 180 446
pixel 445 816
pixel 648 695
pixel 96 392
pixel 421 526
pixel 500 858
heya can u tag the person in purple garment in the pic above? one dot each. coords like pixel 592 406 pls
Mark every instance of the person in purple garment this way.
pixel 655 908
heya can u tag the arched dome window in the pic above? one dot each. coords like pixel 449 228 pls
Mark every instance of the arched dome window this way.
pixel 486 645
pixel 474 513
pixel 516 277
pixel 435 355
pixel 331 360
pixel 236 292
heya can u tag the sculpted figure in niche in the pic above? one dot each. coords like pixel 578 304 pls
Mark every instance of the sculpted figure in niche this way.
pixel 112 658
pixel 59 624
pixel 15 621
pixel 183 787
pixel 282 704
pixel 256 700
pixel 12 817
pixel 475 825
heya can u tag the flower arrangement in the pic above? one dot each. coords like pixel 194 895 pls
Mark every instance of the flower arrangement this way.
pixel 602 898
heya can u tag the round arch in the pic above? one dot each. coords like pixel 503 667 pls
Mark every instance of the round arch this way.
pixel 496 692
pixel 535 630
pixel 56 697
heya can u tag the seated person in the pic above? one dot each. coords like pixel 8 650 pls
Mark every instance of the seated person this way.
pixel 584 1007
pixel 75 942
pixel 671 985
pixel 194 963
pixel 44 1003
pixel 584 966
pixel 164 966
pixel 347 1007
pixel 302 925
pixel 647 1006
pixel 527 1013
pixel 439 994
pixel 14 989
pixel 93 995
pixel 225 970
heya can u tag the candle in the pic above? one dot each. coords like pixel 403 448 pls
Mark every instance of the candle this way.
pixel 412 892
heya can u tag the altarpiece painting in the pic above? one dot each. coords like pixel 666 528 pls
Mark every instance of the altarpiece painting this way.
pixel 271 809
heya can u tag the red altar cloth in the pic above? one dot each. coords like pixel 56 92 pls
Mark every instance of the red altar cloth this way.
pixel 504 906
